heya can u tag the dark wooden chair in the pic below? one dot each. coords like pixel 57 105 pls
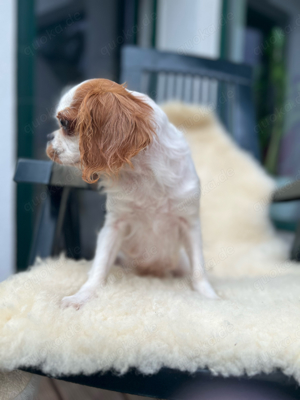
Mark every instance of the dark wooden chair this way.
pixel 224 86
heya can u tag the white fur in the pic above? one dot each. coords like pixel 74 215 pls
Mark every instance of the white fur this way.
pixel 148 323
pixel 146 226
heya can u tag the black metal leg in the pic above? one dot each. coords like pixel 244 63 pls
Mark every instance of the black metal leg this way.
pixel 72 226
pixel 49 223
pixel 296 245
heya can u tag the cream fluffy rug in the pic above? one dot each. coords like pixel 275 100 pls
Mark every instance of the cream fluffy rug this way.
pixel 149 323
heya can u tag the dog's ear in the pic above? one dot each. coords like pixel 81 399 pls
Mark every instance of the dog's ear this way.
pixel 113 127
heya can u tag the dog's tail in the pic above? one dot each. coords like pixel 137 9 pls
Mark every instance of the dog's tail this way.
pixel 188 116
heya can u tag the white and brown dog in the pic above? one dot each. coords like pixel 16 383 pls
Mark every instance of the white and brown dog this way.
pixel 153 191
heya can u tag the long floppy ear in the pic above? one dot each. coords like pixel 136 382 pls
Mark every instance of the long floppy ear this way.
pixel 114 126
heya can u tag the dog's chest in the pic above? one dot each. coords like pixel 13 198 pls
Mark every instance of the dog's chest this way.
pixel 154 222
pixel 145 197
pixel 152 234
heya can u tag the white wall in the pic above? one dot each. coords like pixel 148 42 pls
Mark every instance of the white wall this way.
pixel 190 27
pixel 7 136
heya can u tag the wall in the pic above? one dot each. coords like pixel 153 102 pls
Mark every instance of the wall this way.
pixel 189 27
pixel 7 136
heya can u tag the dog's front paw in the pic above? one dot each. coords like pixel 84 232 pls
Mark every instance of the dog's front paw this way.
pixel 77 300
pixel 204 287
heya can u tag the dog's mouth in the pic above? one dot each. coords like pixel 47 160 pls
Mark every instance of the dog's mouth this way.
pixel 53 154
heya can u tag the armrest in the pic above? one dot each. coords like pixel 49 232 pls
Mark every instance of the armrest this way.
pixel 49 173
pixel 289 192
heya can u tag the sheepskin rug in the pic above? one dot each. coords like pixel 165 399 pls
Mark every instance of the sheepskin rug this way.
pixel 149 323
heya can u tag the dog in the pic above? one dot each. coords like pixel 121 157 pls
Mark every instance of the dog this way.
pixel 152 223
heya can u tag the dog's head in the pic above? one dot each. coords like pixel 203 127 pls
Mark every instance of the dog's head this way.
pixel 102 126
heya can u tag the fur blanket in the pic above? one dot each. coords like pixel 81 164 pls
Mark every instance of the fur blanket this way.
pixel 149 323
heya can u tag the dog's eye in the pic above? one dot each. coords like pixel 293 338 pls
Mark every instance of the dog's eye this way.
pixel 64 123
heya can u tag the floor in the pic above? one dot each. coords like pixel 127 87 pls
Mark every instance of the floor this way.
pixel 52 389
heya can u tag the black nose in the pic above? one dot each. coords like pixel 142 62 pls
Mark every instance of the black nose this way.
pixel 50 136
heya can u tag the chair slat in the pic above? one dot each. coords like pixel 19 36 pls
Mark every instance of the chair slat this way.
pixel 199 81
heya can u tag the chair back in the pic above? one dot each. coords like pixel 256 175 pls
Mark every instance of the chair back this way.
pixel 225 87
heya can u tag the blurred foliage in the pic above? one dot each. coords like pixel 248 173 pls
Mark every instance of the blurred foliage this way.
pixel 270 98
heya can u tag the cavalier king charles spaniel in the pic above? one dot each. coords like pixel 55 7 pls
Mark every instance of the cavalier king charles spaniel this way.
pixel 152 224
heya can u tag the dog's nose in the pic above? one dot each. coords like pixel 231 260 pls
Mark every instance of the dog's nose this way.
pixel 50 137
